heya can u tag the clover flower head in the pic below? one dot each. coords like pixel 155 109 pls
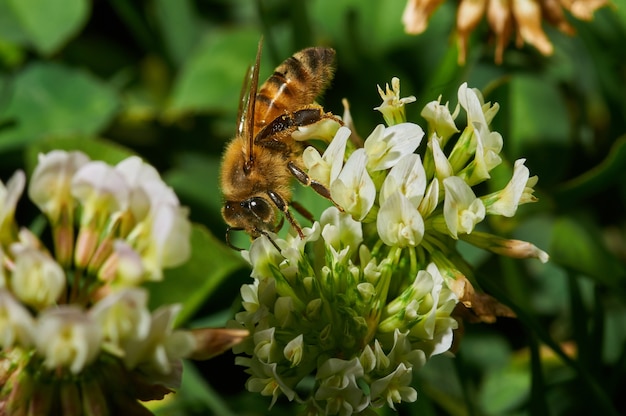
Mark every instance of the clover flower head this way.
pixel 75 315
pixel 366 298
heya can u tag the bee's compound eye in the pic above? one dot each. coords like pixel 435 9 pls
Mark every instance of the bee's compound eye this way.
pixel 260 208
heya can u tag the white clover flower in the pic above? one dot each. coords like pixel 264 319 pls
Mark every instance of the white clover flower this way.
pixel 462 210
pixel 267 381
pixel 440 120
pixel 443 168
pixel 354 189
pixel 326 168
pixel 67 337
pixel 488 147
pixel 408 177
pixel 50 184
pixel 324 130
pixel 506 201
pixel 9 195
pixel 124 267
pixel 431 198
pixel 101 189
pixel 339 388
pixel 360 307
pixel 394 388
pixel 399 223
pixel 122 316
pixel 17 325
pixel 163 240
pixel 392 107
pixel 386 145
pixel 37 279
pixel 160 350
pixel 294 350
pixel 472 104
pixel 340 231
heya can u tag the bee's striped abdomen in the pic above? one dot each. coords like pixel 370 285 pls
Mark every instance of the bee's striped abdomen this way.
pixel 295 83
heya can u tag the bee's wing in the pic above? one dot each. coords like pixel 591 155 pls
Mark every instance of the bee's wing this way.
pixel 245 118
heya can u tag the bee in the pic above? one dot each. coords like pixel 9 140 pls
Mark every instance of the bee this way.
pixel 260 162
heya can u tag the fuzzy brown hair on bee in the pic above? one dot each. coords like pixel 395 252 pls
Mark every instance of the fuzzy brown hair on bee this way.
pixel 261 161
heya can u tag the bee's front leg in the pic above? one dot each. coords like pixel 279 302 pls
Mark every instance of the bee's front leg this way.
pixel 306 180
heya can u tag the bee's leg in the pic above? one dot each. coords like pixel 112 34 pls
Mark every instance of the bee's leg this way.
pixel 270 135
pixel 302 211
pixel 306 180
pixel 282 205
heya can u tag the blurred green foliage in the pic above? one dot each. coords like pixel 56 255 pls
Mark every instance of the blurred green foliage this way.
pixel 161 78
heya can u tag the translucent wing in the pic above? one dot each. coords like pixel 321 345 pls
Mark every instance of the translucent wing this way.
pixel 245 118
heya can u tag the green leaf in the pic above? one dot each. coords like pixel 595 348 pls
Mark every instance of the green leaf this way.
pixel 504 390
pixel 580 249
pixel 597 179
pixel 539 125
pixel 179 27
pixel 190 284
pixel 50 100
pixel 211 78
pixel 50 23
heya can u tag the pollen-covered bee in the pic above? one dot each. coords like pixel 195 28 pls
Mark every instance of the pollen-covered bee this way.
pixel 263 158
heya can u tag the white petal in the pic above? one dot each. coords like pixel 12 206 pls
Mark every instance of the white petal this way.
pixel 354 189
pixel 408 177
pixel 385 146
pixel 399 223
pixel 462 210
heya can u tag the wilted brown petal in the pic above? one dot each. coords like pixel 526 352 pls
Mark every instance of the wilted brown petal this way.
pixel 416 14
pixel 553 13
pixel 468 16
pixel 214 341
pixel 527 14
pixel 501 22
pixel 584 9
pixel 481 306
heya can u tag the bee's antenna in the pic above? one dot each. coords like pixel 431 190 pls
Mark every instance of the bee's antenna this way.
pixel 228 243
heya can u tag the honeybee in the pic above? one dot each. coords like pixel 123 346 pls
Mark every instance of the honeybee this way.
pixel 260 162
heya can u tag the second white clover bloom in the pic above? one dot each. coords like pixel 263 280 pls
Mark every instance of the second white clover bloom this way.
pixel 101 190
pixel 122 315
pixel 16 322
pixel 162 239
pixel 9 195
pixel 162 347
pixel 399 223
pixel 50 183
pixel 462 210
pixel 67 337
pixel 386 145
pixel 354 190
pixel 37 279
pixel 326 168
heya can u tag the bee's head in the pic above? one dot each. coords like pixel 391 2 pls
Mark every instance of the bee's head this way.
pixel 255 215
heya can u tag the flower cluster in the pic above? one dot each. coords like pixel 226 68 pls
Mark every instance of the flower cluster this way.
pixel 525 17
pixel 76 333
pixel 341 319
